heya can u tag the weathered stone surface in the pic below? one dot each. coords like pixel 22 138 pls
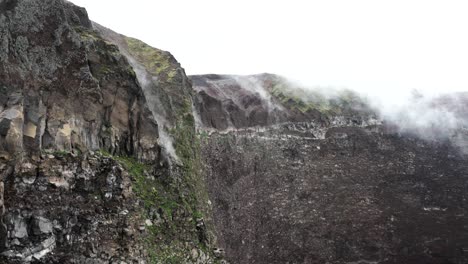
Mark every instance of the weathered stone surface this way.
pixel 77 224
pixel 167 89
pixel 41 225
pixel 168 92
pixel 64 87
pixel 89 171
pixel 226 102
pixel 18 227
pixel 340 186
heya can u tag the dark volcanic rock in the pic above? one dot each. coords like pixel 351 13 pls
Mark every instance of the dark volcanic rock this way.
pixel 336 186
pixel 63 87
pixel 355 196
pixel 97 163
pixel 76 208
pixel 232 101
pixel 225 101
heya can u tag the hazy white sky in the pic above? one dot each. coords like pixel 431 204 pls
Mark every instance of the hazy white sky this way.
pixel 368 45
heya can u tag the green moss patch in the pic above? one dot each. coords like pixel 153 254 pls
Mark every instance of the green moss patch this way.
pixel 171 239
pixel 156 61
pixel 304 100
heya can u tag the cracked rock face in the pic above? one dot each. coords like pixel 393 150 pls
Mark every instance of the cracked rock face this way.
pixel 80 220
pixel 227 102
pixel 63 87
pixel 85 174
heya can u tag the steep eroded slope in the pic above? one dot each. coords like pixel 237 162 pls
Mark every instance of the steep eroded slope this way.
pixel 338 186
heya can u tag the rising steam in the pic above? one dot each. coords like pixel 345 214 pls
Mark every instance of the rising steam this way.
pixel 426 114
pixel 148 83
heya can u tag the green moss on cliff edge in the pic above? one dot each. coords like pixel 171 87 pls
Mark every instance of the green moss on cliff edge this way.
pixel 171 217
pixel 326 101
pixel 156 61
pixel 178 195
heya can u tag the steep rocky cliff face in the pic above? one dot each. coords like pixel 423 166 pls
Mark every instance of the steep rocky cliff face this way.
pixel 337 186
pixel 97 164
pixel 109 153
pixel 224 102
pixel 63 87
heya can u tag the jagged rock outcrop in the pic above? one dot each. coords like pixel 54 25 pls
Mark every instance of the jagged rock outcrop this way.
pixel 71 209
pixel 169 93
pixel 92 169
pixel 64 87
pixel 224 102
pixel 340 186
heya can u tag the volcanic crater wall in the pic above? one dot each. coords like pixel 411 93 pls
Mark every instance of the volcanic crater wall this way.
pixel 101 161
pixel 333 189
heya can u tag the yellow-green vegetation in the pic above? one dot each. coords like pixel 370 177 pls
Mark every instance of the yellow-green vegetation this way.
pixel 91 36
pixel 156 61
pixel 180 199
pixel 164 241
pixel 304 100
pixel 87 35
pixel 203 136
pixel 104 70
pixel 187 145
pixel 60 153
pixel 172 85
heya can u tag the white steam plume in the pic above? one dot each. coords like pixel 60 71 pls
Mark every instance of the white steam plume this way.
pixel 428 114
pixel 148 83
